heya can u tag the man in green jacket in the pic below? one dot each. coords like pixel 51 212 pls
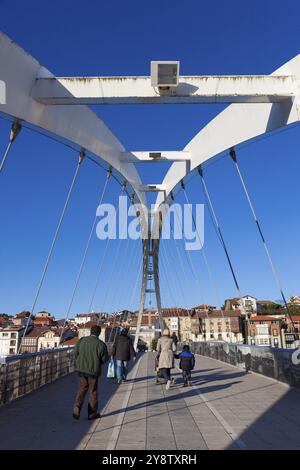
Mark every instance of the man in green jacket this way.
pixel 90 354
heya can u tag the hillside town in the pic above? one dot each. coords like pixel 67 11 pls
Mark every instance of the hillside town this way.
pixel 255 322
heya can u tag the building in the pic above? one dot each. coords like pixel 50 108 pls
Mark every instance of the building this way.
pixel 22 318
pixel 44 319
pixel 249 303
pixel 265 304
pixel 50 339
pixel 5 320
pixel 70 342
pixel 10 338
pixel 294 300
pixel 106 330
pixel 264 330
pixel 30 341
pixel 41 338
pixel 149 328
pixel 219 325
pixel 204 307
pixel 83 318
pixel 178 320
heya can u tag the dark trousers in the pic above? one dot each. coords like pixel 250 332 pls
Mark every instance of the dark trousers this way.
pixel 166 373
pixel 187 376
pixel 89 384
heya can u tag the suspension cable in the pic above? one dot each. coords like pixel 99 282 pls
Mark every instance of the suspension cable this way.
pixel 275 273
pixel 220 236
pixel 118 291
pixel 84 256
pixel 136 282
pixel 180 258
pixel 188 256
pixel 184 270
pixel 15 129
pixel 98 276
pixel 169 267
pixel 219 233
pixel 101 262
pixel 115 291
pixel 203 251
pixel 189 259
pixel 164 266
pixel 130 266
pixel 40 284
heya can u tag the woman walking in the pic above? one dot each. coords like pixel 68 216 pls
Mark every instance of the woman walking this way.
pixel 166 349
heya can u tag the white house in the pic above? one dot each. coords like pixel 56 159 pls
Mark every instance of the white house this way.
pixel 10 338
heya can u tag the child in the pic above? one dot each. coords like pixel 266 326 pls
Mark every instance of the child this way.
pixel 186 364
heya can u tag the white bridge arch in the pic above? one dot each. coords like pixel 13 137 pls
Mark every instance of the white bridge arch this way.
pixel 35 97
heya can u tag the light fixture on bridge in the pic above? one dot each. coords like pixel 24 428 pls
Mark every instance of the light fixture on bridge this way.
pixel 155 155
pixel 164 73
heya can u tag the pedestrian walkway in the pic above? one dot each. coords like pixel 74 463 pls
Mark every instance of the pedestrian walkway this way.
pixel 225 408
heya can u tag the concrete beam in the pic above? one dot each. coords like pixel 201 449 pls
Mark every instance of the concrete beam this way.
pixel 138 90
pixel 154 156
pixel 152 188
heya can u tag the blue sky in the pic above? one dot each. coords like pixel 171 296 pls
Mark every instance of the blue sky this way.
pixel 121 38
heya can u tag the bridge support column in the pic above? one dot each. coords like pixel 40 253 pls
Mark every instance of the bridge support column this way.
pixel 150 259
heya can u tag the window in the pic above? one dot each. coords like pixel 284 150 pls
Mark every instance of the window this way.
pixel 13 343
pixel 13 335
pixel 5 335
pixel 262 330
pixel 211 336
pixel 11 351
pixel 263 341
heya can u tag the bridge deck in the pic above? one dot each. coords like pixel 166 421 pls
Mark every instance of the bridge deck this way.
pixel 225 409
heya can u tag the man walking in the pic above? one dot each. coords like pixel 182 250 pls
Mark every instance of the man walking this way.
pixel 90 353
pixel 123 350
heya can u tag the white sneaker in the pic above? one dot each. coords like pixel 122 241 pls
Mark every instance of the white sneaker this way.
pixel 168 385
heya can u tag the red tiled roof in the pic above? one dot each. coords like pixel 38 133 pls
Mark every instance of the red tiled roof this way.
pixel 89 324
pixel 145 322
pixel 204 307
pixel 70 342
pixel 218 314
pixel 36 332
pixel 176 312
pixel 23 314
pixel 95 314
pixel 263 318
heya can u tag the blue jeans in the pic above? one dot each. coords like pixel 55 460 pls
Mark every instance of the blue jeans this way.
pixel 121 369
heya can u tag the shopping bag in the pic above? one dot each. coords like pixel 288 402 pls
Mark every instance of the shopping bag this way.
pixel 111 369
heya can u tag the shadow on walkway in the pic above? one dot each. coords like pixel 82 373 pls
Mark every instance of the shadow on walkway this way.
pixel 43 418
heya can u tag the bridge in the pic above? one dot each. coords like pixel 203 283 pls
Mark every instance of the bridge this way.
pixel 240 398
pixel 227 407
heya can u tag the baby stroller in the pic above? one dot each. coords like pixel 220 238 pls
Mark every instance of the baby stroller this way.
pixel 159 375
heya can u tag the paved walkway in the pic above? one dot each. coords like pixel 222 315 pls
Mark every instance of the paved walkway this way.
pixel 224 409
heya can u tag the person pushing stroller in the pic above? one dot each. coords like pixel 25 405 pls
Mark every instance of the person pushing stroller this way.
pixel 186 364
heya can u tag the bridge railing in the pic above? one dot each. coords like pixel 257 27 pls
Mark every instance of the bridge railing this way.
pixel 279 364
pixel 21 374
